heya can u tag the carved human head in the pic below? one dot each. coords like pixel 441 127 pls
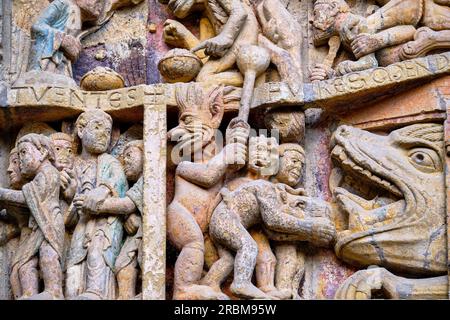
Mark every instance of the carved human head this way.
pixel 292 159
pixel 133 159
pixel 15 177
pixel 201 112
pixel 289 123
pixel 33 149
pixel 326 11
pixel 263 155
pixel 90 9
pixel 94 128
pixel 64 149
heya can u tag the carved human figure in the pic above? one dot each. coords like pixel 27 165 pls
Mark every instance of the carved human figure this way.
pixel 44 244
pixel 234 24
pixel 197 183
pixel 97 238
pixel 129 259
pixel 407 216
pixel 55 35
pixel 252 203
pixel 412 27
pixel 16 217
pixel 333 18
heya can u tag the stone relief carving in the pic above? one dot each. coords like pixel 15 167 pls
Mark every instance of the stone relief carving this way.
pixel 313 206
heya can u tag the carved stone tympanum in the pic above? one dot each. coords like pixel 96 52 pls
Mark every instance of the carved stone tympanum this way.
pixel 224 149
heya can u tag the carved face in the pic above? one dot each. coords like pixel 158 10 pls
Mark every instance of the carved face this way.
pixel 30 159
pixel 290 172
pixel 15 177
pixel 133 163
pixel 90 9
pixel 201 114
pixel 96 135
pixel 64 154
pixel 395 199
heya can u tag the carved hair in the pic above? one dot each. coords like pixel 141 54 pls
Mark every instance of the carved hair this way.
pixel 136 144
pixel 41 142
pixel 291 147
pixel 89 115
pixel 61 136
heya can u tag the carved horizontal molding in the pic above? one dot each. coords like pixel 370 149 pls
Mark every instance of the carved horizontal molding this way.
pixel 338 95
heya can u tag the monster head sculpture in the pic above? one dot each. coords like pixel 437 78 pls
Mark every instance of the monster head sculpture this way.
pixel 201 113
pixel 401 224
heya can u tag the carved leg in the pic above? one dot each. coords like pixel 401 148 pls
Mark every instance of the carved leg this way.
pixel 29 278
pixel 287 268
pixel 265 265
pixel 126 280
pixel 51 270
pixel 219 71
pixel 225 228
pixel 74 280
pixel 186 235
pixel 426 40
pixel 15 282
pixel 98 272
pixel 220 270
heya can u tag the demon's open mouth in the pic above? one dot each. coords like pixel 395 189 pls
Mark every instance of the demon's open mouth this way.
pixel 355 181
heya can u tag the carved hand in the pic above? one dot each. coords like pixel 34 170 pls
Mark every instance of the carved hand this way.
pixel 361 284
pixel 132 224
pixel 68 183
pixel 216 47
pixel 71 47
pixel 94 199
pixel 365 44
pixel 321 72
pixel 323 232
pixel 235 153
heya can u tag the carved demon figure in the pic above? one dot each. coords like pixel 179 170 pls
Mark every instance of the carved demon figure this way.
pixel 197 183
pixel 403 228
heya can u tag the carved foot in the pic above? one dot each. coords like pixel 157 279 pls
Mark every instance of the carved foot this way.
pixel 88 296
pixel 199 292
pixel 43 296
pixel 248 291
pixel 425 40
pixel 277 294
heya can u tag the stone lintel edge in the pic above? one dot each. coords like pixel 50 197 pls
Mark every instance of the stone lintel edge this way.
pixel 334 95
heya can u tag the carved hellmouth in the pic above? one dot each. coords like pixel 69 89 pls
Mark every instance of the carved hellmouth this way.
pixel 350 165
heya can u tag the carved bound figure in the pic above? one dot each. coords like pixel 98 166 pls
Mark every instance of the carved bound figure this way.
pixel 129 260
pixel 261 202
pixel 333 18
pixel 412 28
pixel 234 24
pixel 65 151
pixel 97 238
pixel 197 184
pixel 403 229
pixel 16 217
pixel 44 244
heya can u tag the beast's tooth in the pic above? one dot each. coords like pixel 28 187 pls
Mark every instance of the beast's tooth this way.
pixel 367 173
pixel 343 156
pixel 358 169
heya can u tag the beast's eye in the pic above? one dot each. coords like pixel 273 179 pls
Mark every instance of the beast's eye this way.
pixel 425 159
